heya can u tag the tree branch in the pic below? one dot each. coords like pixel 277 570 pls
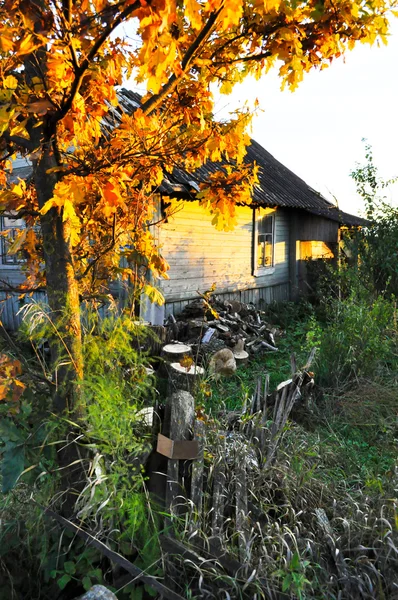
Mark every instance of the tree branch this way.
pixel 18 290
pixel 252 57
pixel 153 102
pixel 79 73
pixel 19 141
pixel 102 253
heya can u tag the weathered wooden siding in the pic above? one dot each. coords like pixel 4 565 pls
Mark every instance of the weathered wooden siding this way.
pixel 199 256
pixel 10 304
pixel 314 228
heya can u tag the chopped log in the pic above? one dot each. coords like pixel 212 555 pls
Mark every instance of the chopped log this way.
pixel 221 327
pixel 172 353
pixel 269 347
pixel 239 346
pixel 180 409
pixel 184 378
pixel 196 327
pixel 241 358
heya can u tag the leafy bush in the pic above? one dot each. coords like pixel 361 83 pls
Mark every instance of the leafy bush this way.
pixel 359 340
pixel 374 248
pixel 113 443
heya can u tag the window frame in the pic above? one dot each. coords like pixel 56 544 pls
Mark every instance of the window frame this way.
pixel 258 213
pixel 10 261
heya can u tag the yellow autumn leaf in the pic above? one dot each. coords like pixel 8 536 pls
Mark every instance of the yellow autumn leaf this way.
pixel 6 41
pixel 10 82
pixel 17 243
pixel 193 14
pixel 69 214
pixel 154 295
pixel 27 44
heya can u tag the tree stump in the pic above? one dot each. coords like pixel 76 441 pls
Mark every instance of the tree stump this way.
pixel 184 378
pixel 156 339
pixel 241 358
pixel 179 424
pixel 173 353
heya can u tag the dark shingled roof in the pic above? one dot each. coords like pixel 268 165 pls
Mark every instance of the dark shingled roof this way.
pixel 278 186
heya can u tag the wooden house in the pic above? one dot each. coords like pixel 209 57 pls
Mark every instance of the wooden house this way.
pixel 262 260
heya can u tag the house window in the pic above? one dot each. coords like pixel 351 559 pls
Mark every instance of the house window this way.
pixel 265 241
pixel 263 238
pixel 10 228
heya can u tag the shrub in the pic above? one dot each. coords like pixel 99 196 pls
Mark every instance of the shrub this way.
pixel 358 341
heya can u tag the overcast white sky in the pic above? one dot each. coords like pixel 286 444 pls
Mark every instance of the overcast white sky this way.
pixel 316 131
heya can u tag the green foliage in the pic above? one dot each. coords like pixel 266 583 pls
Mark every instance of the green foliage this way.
pixel 113 501
pixel 358 340
pixel 374 248
pixel 293 577
pixel 116 384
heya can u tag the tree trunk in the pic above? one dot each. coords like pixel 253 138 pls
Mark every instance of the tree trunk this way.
pixel 66 340
pixel 63 295
pixel 62 292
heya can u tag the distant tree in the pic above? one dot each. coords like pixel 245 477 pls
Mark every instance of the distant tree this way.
pixel 96 179
pixel 377 244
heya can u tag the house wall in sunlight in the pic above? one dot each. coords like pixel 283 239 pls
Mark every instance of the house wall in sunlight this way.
pixel 199 256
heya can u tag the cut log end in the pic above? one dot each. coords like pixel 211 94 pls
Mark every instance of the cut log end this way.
pixel 174 352
pixel 185 378
pixel 241 357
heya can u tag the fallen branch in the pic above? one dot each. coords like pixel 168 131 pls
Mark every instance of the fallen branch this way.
pixel 138 574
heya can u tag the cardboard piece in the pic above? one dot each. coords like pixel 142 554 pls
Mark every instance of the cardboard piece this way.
pixel 177 450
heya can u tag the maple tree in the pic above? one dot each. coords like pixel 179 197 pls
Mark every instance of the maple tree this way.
pixel 96 168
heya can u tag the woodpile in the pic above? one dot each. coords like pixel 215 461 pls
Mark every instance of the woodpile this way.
pixel 210 326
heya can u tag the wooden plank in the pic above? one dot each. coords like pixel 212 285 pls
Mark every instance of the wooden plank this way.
pixel 241 511
pixel 188 295
pixel 198 468
pixel 218 498
pixel 115 557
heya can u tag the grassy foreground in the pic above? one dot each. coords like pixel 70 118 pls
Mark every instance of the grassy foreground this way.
pixel 337 461
pixel 338 453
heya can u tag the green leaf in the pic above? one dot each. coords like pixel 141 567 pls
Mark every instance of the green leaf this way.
pixel 9 432
pixel 286 583
pixel 295 562
pixel 137 593
pixel 154 295
pixel 12 465
pixel 150 591
pixel 86 581
pixel 63 581
pixel 96 574
pixel 70 567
